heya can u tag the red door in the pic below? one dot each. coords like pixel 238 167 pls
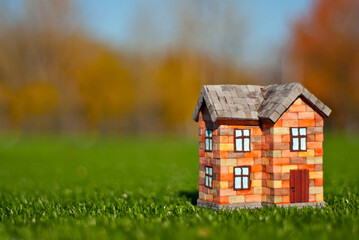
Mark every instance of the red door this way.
pixel 299 185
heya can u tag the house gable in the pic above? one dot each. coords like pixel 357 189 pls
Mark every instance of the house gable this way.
pixel 300 114
pixel 279 98
pixel 282 160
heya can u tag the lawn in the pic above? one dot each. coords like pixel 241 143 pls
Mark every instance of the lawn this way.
pixel 145 188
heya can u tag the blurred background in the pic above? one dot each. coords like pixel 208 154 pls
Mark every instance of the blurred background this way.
pixel 97 139
pixel 136 67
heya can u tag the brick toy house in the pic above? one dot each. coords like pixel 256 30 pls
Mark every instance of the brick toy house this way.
pixel 260 146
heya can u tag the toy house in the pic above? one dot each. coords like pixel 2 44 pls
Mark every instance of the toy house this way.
pixel 260 146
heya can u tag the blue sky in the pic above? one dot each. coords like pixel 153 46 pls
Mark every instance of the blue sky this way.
pixel 268 23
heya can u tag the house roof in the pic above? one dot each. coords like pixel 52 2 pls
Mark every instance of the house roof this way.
pixel 252 102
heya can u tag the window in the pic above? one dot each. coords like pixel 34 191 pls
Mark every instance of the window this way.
pixel 209 140
pixel 209 177
pixel 241 178
pixel 298 139
pixel 242 141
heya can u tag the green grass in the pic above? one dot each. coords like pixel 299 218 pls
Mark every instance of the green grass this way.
pixel 144 188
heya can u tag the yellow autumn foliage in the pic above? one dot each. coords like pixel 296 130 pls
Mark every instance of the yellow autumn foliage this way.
pixel 38 98
pixel 105 87
pixel 179 83
pixel 54 76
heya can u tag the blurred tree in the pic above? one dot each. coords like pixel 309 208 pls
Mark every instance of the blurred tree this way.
pixel 106 88
pixel 35 53
pixel 325 55
pixel 37 99
pixel 180 77
pixel 52 71
pixel 206 44
pixel 179 83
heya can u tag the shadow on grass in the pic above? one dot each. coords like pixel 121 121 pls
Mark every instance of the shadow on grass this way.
pixel 192 195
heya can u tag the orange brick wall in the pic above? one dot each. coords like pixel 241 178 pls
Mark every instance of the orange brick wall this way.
pixel 207 158
pixel 282 160
pixel 230 159
pixel 223 159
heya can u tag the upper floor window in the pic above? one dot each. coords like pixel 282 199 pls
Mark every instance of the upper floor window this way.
pixel 209 140
pixel 298 139
pixel 209 177
pixel 241 178
pixel 242 141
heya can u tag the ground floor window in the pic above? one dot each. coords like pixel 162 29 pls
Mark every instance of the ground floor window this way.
pixel 209 177
pixel 241 178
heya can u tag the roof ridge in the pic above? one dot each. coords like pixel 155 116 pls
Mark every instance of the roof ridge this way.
pixel 253 102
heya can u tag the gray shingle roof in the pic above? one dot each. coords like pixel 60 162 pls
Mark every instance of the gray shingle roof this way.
pixel 252 102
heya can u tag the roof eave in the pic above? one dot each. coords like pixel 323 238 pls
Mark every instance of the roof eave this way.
pixel 203 98
pixel 318 105
pixel 198 105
